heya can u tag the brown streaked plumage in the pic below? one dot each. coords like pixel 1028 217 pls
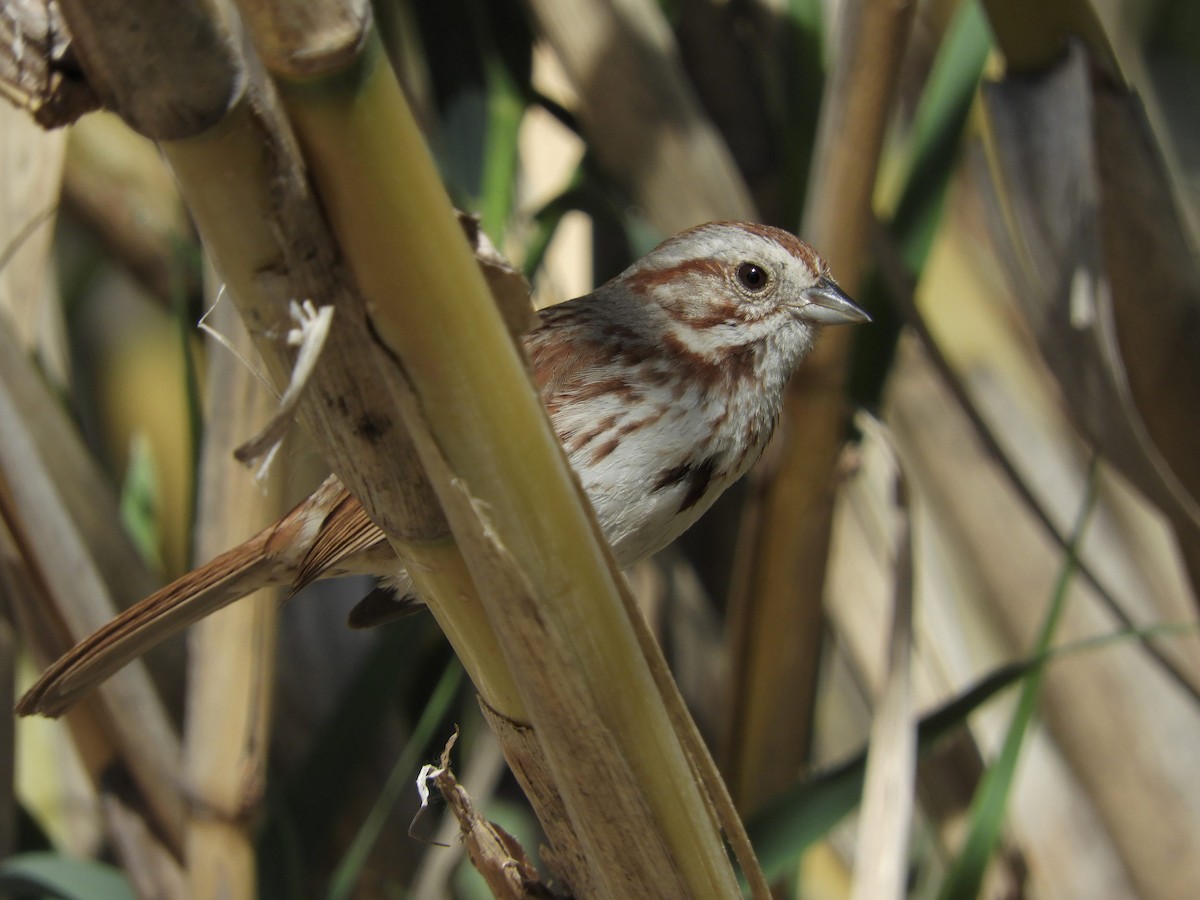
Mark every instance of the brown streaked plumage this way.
pixel 664 386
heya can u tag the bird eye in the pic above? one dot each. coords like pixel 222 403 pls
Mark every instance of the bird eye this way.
pixel 752 276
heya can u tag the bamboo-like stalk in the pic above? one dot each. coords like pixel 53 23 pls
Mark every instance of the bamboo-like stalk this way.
pixel 227 176
pixel 247 192
pixel 117 182
pixel 63 562
pixel 31 164
pixel 617 763
pixel 8 806
pixel 231 662
pixel 778 599
pixel 124 729
pixel 882 853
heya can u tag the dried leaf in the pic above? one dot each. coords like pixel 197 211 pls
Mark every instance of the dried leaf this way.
pixel 506 283
pixel 495 853
pixel 312 328
pixel 38 71
pixel 881 866
pixel 1103 270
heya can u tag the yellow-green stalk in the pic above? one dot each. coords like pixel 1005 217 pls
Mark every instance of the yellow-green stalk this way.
pixel 226 175
pixel 237 167
pixel 430 306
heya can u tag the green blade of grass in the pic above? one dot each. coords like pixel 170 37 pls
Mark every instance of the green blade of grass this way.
pixel 55 875
pixel 184 257
pixel 986 817
pixel 937 132
pixel 505 102
pixel 505 108
pixel 348 871
pixel 803 814
pixel 139 501
pixel 803 83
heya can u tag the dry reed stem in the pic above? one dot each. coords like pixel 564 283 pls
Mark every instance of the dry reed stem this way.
pixel 59 594
pixel 64 562
pixel 232 653
pixel 776 601
pixel 882 847
pixel 487 429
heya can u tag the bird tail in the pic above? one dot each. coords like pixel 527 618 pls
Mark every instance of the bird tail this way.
pixel 225 579
pixel 327 534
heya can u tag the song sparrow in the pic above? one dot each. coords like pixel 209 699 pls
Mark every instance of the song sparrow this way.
pixel 664 386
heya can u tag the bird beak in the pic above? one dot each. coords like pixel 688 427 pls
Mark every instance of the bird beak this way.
pixel 827 304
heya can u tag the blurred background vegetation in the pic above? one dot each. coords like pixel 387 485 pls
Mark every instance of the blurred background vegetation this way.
pixel 1026 241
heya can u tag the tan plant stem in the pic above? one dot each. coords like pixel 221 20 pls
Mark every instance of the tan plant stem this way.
pixel 777 603
pixel 8 806
pixel 509 496
pixel 62 562
pixel 232 653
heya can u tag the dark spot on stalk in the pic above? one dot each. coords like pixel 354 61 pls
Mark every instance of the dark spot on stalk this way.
pixel 372 428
